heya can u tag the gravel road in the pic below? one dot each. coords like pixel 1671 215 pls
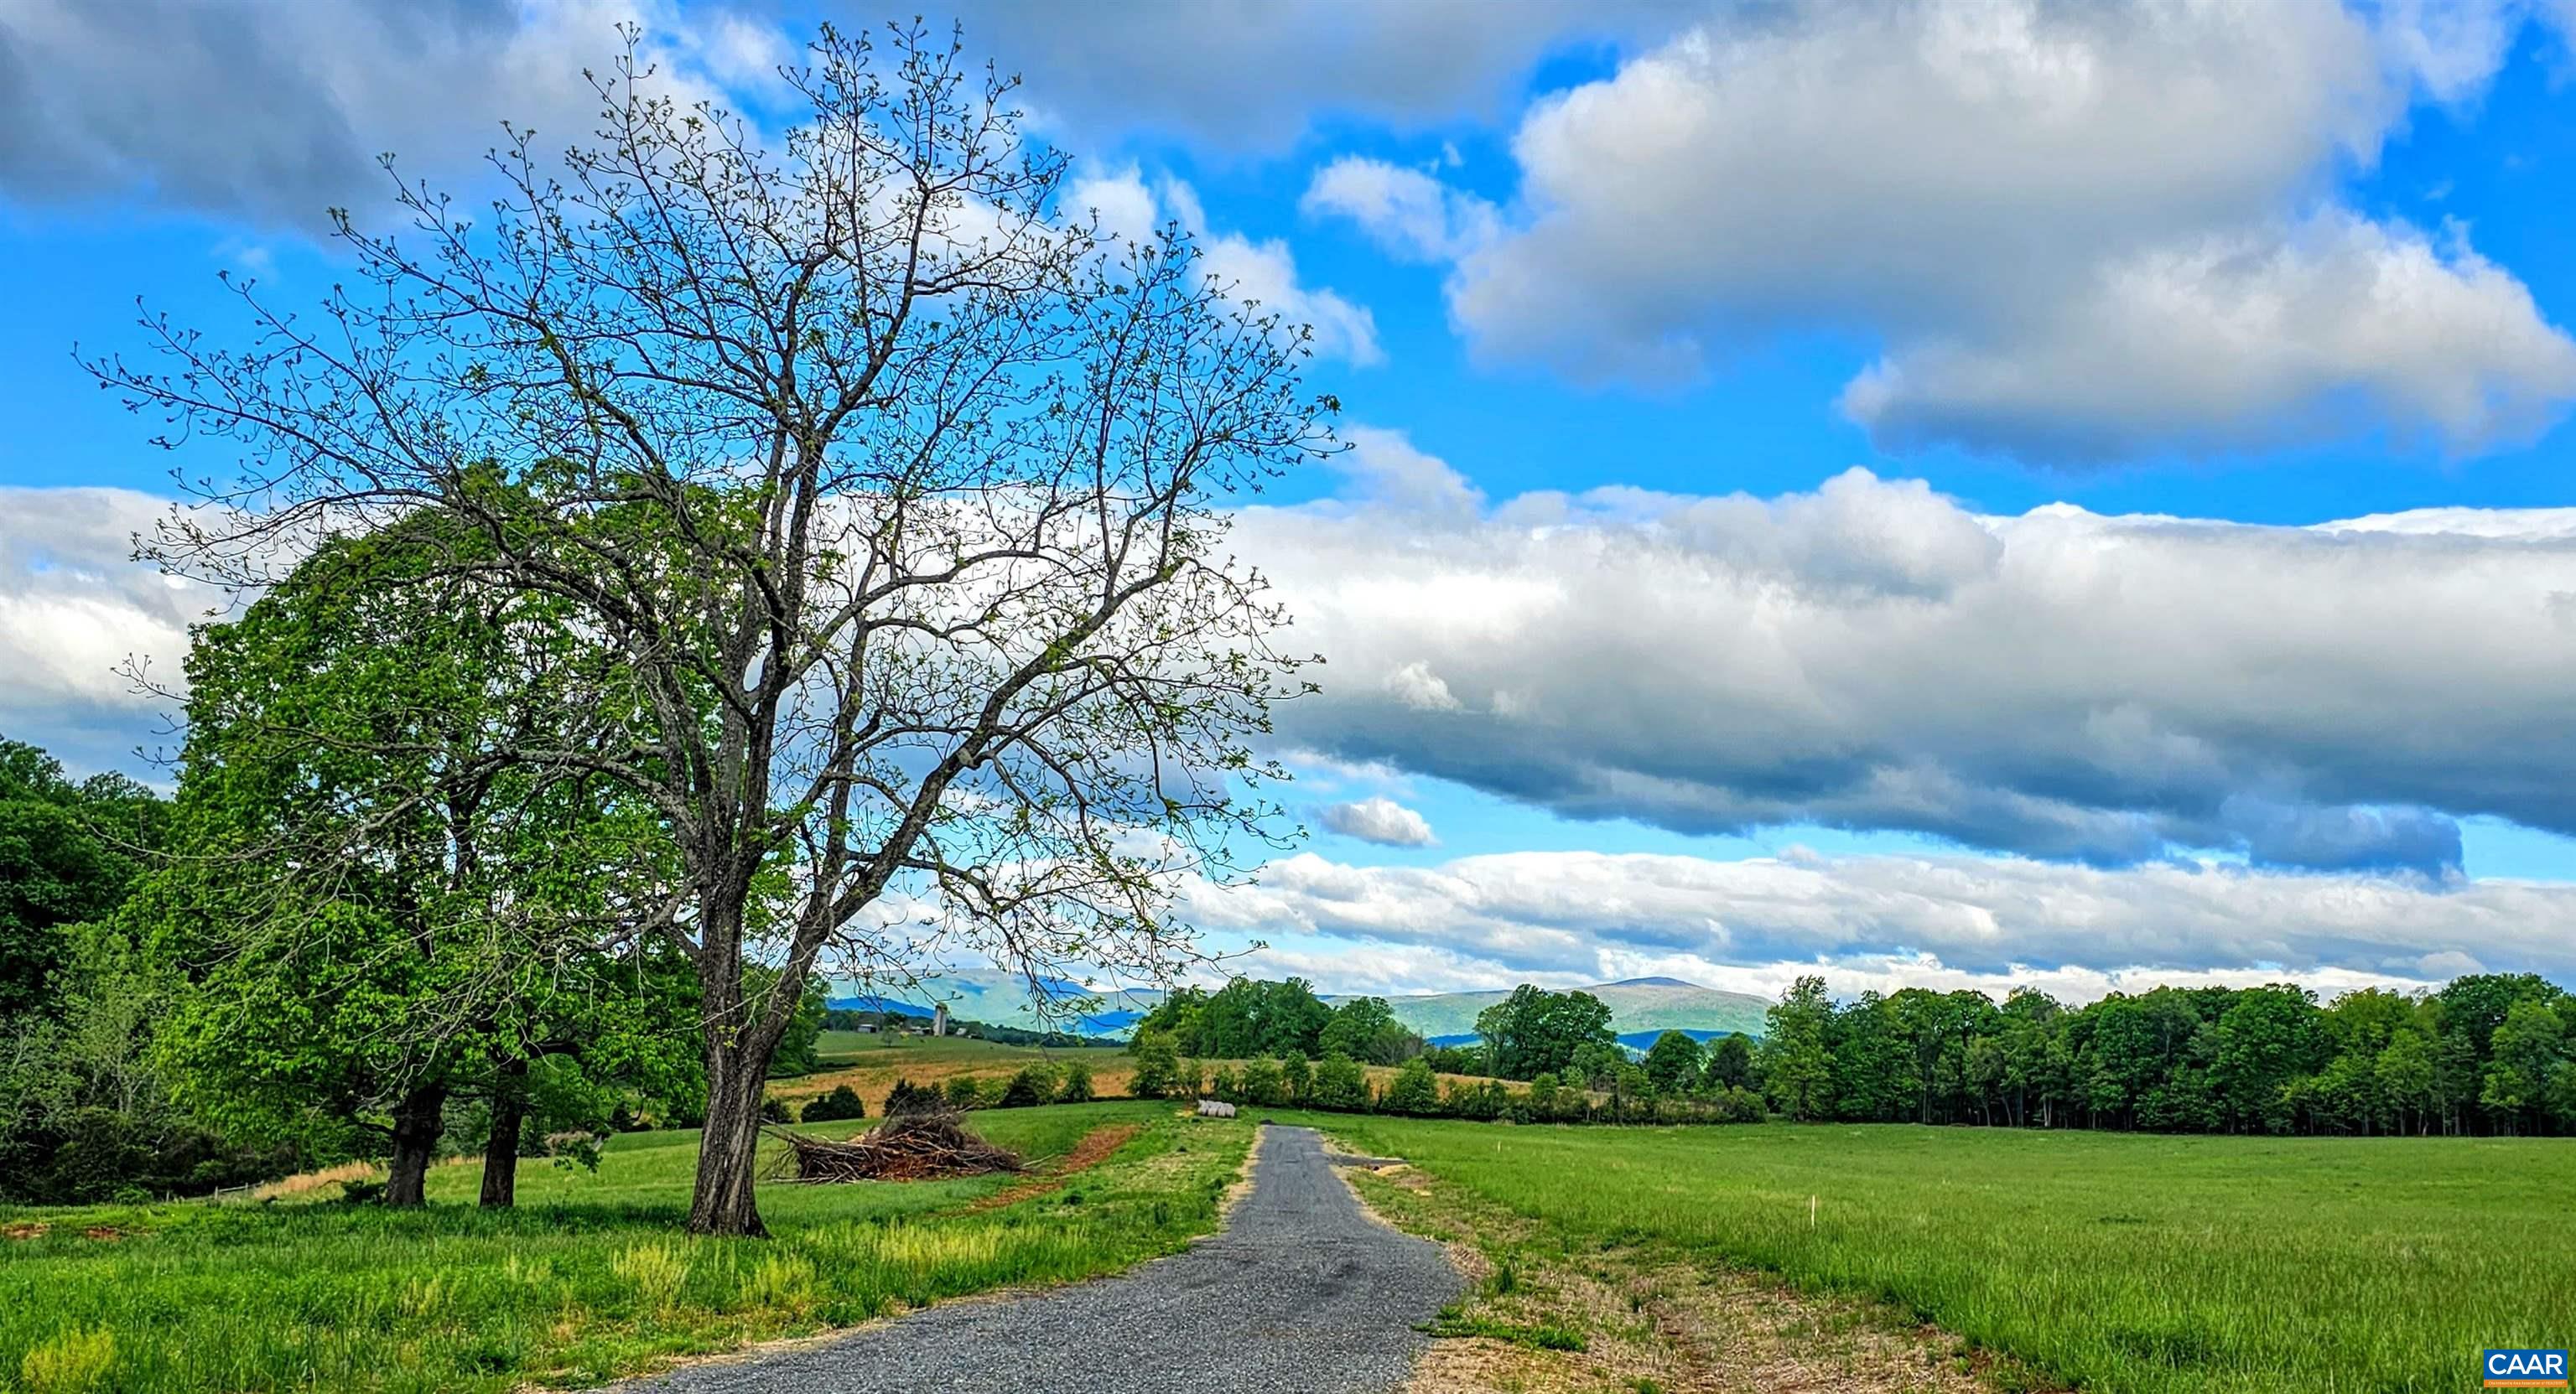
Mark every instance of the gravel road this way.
pixel 1300 1293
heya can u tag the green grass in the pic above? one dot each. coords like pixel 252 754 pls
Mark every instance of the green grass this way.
pixel 2118 1262
pixel 588 1279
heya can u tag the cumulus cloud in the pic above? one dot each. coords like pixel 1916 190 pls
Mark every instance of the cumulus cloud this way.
pixel 1252 77
pixel 1871 655
pixel 275 110
pixel 2079 231
pixel 1563 918
pixel 2272 338
pixel 1409 212
pixel 1261 272
pixel 1378 819
pixel 74 611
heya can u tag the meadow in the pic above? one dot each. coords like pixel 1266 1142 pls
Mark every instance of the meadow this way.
pixel 2119 1262
pixel 588 1279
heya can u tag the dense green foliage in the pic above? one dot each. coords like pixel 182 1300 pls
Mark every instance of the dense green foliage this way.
pixel 85 1112
pixel 2122 1263
pixel 1248 1018
pixel 2486 1053
pixel 1535 1032
pixel 587 1279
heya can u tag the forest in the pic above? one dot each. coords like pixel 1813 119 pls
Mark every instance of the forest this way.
pixel 2484 1054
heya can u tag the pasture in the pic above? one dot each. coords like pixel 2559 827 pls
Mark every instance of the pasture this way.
pixel 2120 1262
pixel 589 1278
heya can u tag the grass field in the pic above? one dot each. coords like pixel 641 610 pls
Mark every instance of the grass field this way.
pixel 589 1278
pixel 2120 1262
pixel 871 1064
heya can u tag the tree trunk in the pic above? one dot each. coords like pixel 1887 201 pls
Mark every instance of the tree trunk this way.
pixel 723 1202
pixel 501 1150
pixel 417 1122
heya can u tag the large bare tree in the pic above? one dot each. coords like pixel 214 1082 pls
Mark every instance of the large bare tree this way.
pixel 896 486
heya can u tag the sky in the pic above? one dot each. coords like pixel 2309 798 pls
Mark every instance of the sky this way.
pixel 1947 492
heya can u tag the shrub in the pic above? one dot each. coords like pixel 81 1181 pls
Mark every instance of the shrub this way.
pixel 964 1091
pixel 1077 1084
pixel 1263 1085
pixel 1339 1083
pixel 1413 1090
pixel 73 1360
pixel 776 1111
pixel 1158 1065
pixel 842 1102
pixel 908 1097
pixel 1296 1078
pixel 1033 1085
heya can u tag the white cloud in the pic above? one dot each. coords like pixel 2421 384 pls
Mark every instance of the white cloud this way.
pixel 1380 820
pixel 309 91
pixel 2271 338
pixel 1562 918
pixel 1239 77
pixel 2059 683
pixel 74 611
pixel 2079 231
pixel 1408 212
pixel 1260 272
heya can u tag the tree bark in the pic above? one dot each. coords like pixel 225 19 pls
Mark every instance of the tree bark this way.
pixel 417 1121
pixel 723 1202
pixel 501 1150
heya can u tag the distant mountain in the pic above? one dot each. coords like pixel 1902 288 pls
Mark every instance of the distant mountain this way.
pixel 1639 1007
pixel 1644 1007
pixel 1003 999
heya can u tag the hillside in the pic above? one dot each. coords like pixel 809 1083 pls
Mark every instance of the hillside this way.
pixel 1638 1006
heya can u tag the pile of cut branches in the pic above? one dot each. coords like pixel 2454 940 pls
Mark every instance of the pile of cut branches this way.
pixel 905 1147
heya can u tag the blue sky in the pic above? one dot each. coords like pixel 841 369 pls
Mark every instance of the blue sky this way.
pixel 1836 486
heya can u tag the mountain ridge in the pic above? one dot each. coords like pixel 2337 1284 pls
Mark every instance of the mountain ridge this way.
pixel 1637 1005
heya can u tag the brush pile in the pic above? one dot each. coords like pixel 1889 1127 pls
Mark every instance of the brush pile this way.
pixel 905 1147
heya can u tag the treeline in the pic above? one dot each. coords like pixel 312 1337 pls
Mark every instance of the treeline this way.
pixel 1246 1019
pixel 2487 1053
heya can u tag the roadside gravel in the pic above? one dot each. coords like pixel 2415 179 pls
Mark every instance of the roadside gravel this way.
pixel 1300 1293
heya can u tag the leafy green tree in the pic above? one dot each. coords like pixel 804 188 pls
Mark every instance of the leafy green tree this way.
pixel 2406 1074
pixel 2267 1038
pixel 2527 1048
pixel 1366 1030
pixel 1158 1065
pixel 67 853
pixel 379 910
pixel 1730 1062
pixel 1535 1031
pixel 1797 1067
pixel 1674 1062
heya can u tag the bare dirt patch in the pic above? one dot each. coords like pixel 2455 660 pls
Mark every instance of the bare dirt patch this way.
pixel 1096 1147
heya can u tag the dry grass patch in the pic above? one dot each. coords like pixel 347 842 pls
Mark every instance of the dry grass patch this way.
pixel 1546 1313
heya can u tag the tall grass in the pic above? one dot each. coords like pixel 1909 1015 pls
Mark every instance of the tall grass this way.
pixel 2123 1262
pixel 589 1279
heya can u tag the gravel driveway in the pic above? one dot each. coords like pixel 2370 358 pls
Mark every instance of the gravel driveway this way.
pixel 1300 1293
